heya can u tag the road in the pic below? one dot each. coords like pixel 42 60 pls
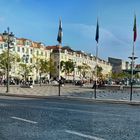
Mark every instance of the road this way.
pixel 54 119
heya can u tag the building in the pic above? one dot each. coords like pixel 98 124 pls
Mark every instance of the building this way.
pixel 79 58
pixel 118 65
pixel 30 52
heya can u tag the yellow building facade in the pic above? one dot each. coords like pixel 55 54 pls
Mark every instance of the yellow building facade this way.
pixel 30 51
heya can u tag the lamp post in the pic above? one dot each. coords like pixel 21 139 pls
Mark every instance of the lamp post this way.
pixel 132 73
pixel 25 60
pixel 74 72
pixel 8 38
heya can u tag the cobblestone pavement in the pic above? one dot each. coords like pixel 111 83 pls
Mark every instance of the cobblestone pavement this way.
pixel 74 91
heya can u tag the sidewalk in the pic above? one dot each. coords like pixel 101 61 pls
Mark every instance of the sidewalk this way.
pixel 71 93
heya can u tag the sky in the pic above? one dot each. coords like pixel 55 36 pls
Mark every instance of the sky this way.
pixel 38 20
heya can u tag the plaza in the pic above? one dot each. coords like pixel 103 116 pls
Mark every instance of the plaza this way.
pixel 72 91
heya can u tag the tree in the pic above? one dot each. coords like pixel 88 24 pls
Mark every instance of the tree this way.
pixel 51 67
pixel 67 67
pixel 99 71
pixel 80 70
pixel 25 70
pixel 83 69
pixel 13 57
pixel 43 67
pixel 121 75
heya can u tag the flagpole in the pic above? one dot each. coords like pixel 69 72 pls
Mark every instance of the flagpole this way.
pixel 96 65
pixel 96 73
pixel 59 39
pixel 59 69
pixel 132 70
pixel 133 57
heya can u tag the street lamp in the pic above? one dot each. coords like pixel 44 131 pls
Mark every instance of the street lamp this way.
pixel 8 38
pixel 25 60
pixel 74 72
pixel 132 73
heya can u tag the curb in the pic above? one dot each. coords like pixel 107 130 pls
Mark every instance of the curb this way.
pixel 80 99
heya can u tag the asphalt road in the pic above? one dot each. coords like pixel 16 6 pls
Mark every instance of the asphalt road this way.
pixel 53 119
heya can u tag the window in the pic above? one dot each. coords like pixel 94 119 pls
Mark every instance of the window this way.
pixel 28 43
pixel 46 54
pixel 31 60
pixel 1 46
pixel 37 53
pixel 18 49
pixel 23 50
pixel 31 51
pixel 5 45
pixel 14 48
pixel 14 40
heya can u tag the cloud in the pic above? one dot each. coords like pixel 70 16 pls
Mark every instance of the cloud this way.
pixel 88 32
pixel 109 43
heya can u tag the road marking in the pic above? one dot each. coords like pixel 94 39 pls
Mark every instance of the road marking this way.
pixel 84 111
pixel 83 135
pixel 4 104
pixel 21 119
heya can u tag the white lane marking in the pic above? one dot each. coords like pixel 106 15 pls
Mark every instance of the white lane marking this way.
pixel 21 119
pixel 83 135
pixel 4 104
pixel 84 111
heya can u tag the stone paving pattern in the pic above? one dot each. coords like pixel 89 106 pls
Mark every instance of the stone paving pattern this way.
pixel 74 91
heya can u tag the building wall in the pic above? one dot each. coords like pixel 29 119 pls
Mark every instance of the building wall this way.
pixel 26 47
pixel 118 65
pixel 36 50
pixel 79 58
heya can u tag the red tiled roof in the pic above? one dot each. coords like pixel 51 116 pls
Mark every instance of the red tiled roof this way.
pixel 52 47
pixel 1 39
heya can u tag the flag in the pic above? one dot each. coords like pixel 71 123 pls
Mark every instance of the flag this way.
pixel 60 33
pixel 97 32
pixel 135 29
